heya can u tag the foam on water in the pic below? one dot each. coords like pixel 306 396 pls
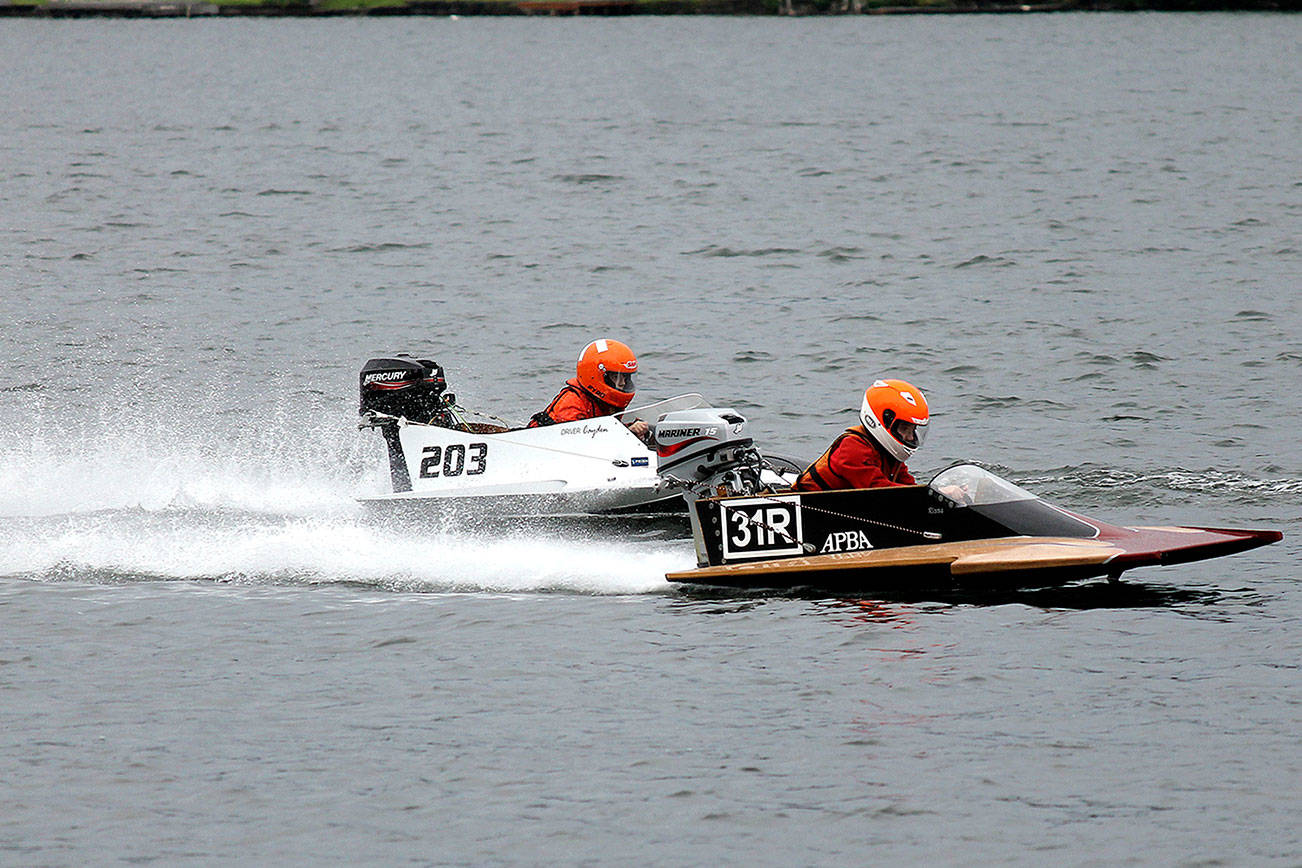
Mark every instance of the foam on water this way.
pixel 184 545
pixel 124 471
pixel 128 445
pixel 265 501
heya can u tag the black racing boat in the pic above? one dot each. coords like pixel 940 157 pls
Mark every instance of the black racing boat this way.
pixel 967 529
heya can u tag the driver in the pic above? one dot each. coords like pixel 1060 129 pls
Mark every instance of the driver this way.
pixel 602 386
pixel 872 454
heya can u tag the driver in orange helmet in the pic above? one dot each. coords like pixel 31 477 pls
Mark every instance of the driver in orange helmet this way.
pixel 893 424
pixel 602 386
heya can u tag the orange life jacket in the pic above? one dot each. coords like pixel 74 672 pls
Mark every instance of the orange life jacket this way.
pixel 571 404
pixel 868 467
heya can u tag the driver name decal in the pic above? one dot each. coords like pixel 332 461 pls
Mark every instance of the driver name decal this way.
pixel 584 429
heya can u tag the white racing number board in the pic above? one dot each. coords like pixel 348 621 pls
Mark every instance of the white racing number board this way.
pixel 760 527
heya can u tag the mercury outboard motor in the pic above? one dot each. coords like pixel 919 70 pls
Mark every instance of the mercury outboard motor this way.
pixel 411 388
pixel 402 388
pixel 708 451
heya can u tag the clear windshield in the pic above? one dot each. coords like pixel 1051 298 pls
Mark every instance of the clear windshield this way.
pixel 998 500
pixel 975 486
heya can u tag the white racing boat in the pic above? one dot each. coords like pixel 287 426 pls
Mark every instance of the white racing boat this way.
pixel 439 461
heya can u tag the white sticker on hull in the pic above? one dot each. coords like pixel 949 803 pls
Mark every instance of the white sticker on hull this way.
pixel 760 527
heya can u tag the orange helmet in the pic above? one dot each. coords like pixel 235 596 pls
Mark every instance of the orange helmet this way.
pixel 895 414
pixel 606 370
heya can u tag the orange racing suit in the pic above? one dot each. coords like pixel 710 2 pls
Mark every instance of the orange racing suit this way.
pixel 854 460
pixel 571 405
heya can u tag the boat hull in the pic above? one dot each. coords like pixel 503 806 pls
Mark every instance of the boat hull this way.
pixel 1021 561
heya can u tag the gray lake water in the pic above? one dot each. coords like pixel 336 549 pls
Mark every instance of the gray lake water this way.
pixel 1079 234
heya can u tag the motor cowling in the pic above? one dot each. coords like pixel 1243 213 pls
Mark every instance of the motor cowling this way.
pixel 707 448
pixel 411 388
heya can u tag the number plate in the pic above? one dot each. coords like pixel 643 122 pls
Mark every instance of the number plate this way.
pixel 453 461
pixel 760 527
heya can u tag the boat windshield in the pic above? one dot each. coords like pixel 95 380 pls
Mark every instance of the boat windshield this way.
pixel 998 500
pixel 970 485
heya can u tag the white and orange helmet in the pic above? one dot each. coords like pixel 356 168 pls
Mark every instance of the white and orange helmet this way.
pixel 895 414
pixel 606 370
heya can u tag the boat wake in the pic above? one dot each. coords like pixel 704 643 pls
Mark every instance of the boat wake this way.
pixel 262 504
pixel 187 545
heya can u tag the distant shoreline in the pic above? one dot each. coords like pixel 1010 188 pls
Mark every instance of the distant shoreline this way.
pixel 605 8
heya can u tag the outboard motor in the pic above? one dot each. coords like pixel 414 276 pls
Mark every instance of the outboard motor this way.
pixel 402 388
pixel 410 388
pixel 708 451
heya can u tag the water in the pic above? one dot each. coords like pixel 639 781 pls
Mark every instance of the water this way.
pixel 1077 233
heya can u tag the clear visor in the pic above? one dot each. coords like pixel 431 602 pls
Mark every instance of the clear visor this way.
pixel 620 381
pixel 909 434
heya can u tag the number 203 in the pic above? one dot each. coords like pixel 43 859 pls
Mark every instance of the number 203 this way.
pixel 453 461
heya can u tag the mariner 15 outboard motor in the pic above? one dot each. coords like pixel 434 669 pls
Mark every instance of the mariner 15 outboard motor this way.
pixel 709 452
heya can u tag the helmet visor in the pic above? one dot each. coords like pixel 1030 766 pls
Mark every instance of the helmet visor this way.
pixel 620 381
pixel 908 433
